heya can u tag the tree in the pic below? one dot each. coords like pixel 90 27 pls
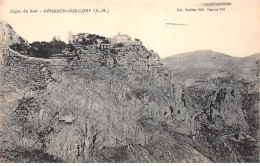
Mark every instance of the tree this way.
pixel 84 42
pixel 120 45
pixel 42 49
pixel 70 34
pixel 17 47
pixel 71 47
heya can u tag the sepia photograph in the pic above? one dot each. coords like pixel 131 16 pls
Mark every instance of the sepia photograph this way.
pixel 120 81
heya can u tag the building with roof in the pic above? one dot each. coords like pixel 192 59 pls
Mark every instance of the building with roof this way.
pixel 121 39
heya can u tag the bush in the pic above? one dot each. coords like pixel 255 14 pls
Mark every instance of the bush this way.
pixel 120 45
pixel 21 48
pixel 71 47
pixel 42 49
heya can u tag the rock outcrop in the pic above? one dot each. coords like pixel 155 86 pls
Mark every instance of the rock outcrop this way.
pixel 8 36
pixel 223 107
pixel 71 109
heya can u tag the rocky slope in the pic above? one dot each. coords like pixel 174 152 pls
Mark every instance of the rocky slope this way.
pixel 73 109
pixel 119 105
pixel 224 100
pixel 227 116
pixel 8 36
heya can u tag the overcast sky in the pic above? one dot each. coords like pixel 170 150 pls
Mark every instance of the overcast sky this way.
pixel 157 23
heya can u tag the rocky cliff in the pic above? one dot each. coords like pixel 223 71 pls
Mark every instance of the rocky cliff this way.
pixel 74 109
pixel 224 106
pixel 226 116
pixel 120 105
pixel 8 36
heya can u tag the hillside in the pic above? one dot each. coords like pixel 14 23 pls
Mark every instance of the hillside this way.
pixel 202 64
pixel 116 102
pixel 99 106
pixel 8 36
pixel 220 86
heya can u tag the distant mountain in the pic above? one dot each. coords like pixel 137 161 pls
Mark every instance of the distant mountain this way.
pixel 8 36
pixel 205 63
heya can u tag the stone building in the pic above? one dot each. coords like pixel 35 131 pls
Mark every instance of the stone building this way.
pixel 121 39
pixel 102 46
pixel 79 37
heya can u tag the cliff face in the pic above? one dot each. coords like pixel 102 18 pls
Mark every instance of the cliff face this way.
pixel 223 107
pixel 8 36
pixel 78 108
pixel 228 117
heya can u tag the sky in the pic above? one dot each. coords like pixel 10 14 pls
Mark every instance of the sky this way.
pixel 157 23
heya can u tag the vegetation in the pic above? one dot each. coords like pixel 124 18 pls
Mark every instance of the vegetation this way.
pixel 113 51
pixel 42 49
pixel 55 46
pixel 119 45
pixel 71 47
pixel 93 39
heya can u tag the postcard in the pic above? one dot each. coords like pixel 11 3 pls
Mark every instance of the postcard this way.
pixel 120 81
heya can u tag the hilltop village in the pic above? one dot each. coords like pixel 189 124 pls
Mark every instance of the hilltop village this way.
pixel 91 48
pixel 83 42
pixel 95 50
pixel 84 49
